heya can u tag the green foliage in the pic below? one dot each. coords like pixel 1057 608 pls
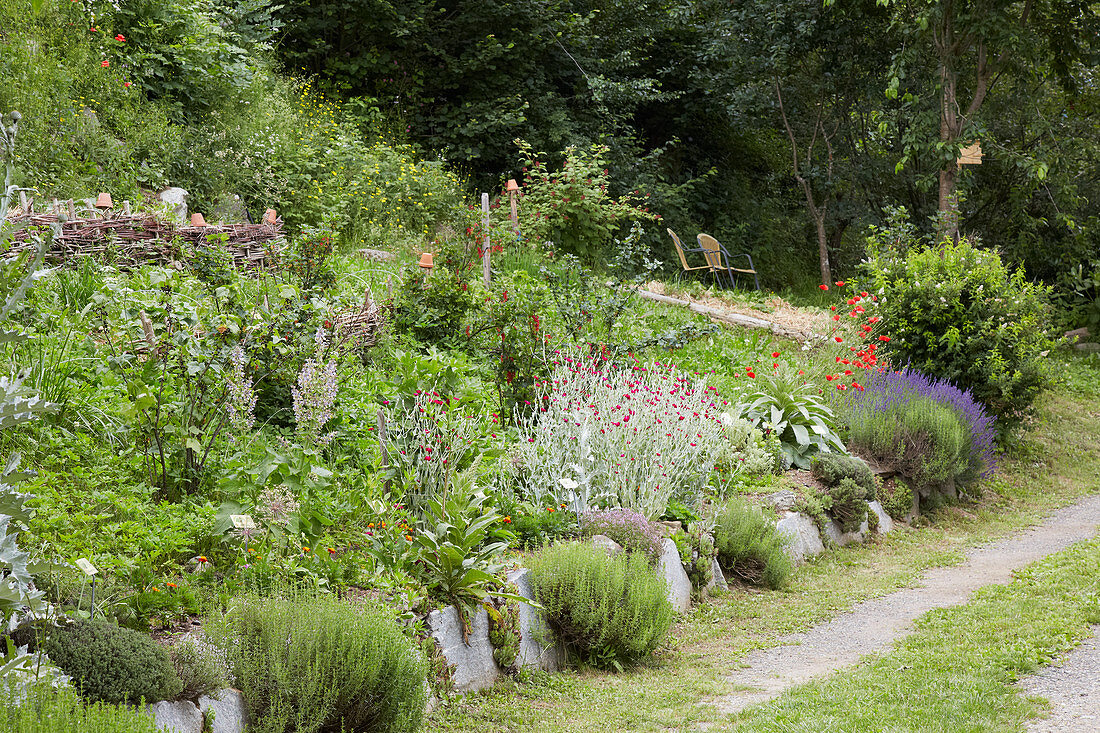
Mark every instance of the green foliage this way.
pixel 749 545
pixel 614 610
pixel 849 504
pixel 46 710
pixel 897 498
pixel 458 553
pixel 312 663
pixel 432 307
pixel 832 468
pixel 697 554
pixel 309 260
pixel 537 526
pixel 211 262
pixel 792 408
pixel 955 312
pixel 504 631
pixel 111 663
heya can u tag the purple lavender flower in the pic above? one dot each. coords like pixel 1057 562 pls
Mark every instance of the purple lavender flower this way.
pixel 890 391
pixel 240 399
pixel 315 395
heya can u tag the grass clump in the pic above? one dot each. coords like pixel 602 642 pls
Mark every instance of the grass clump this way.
pixel 749 545
pixel 307 664
pixel 611 610
pixel 111 663
pixel 47 710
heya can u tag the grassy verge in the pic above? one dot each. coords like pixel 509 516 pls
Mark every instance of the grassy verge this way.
pixel 1056 463
pixel 957 671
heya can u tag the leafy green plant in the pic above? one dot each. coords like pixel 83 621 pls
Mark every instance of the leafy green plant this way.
pixel 314 662
pixel 957 313
pixel 432 307
pixel 792 408
pixel 749 546
pixel 697 553
pixel 849 504
pixel 572 208
pixel 458 551
pixel 111 663
pixel 611 610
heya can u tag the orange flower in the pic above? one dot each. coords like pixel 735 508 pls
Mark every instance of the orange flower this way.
pixel 171 585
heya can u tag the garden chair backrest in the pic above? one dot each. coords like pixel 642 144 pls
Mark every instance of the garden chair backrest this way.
pixel 679 249
pixel 712 251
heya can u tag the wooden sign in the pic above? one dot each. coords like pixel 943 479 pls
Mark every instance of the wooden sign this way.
pixel 971 154
pixel 242 521
pixel 86 566
pixel 485 276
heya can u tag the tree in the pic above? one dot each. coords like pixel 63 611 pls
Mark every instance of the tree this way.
pixel 972 44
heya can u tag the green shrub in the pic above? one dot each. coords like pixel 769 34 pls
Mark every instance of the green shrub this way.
pixel 201 666
pixel 111 663
pixel 47 710
pixel 831 468
pixel 897 498
pixel 312 663
pixel 613 610
pixel 749 545
pixel 432 310
pixel 849 504
pixel 955 312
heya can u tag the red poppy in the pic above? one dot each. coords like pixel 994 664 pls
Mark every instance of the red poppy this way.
pixel 823 286
pixel 120 38
pixel 840 283
pixel 105 63
pixel 126 85
pixel 883 338
pixel 838 339
pixel 775 354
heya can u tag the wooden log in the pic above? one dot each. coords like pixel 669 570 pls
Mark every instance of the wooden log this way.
pixel 736 319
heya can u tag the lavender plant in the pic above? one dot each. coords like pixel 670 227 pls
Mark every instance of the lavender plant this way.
pixel 240 399
pixel 633 438
pixel 930 431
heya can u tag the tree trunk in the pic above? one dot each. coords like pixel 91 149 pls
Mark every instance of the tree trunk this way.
pixel 822 247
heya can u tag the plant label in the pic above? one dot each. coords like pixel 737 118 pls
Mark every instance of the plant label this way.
pixel 86 566
pixel 242 521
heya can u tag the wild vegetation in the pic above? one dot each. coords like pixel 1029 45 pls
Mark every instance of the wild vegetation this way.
pixel 312 456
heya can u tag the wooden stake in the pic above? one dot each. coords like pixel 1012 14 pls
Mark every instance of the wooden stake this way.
pixel 485 239
pixel 23 201
pixel 72 209
pixel 382 446
pixel 513 192
pixel 126 208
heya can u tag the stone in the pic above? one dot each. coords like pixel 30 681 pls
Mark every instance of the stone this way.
pixel 839 538
pixel 474 666
pixel 176 716
pixel 719 580
pixel 604 542
pixel 676 578
pixel 805 538
pixel 885 522
pixel 378 255
pixel 539 646
pixel 176 201
pixel 224 711
pixel 783 501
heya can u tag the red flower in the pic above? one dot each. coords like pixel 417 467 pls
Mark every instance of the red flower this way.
pixel 838 339
pixel 828 377
pixel 120 38
pixel 823 286
pixel 328 324
pixel 775 354
pixel 840 283
pixel 883 338
pixel 750 375
pixel 125 85
pixel 105 63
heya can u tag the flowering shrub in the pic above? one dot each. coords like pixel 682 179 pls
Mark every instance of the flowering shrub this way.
pixel 624 437
pixel 572 207
pixel 928 430
pixel 315 394
pixel 631 530
pixel 956 313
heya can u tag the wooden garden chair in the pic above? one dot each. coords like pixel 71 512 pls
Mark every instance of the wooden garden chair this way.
pixel 719 260
pixel 709 266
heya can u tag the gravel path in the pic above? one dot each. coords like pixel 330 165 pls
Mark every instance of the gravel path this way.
pixel 874 625
pixel 1073 689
